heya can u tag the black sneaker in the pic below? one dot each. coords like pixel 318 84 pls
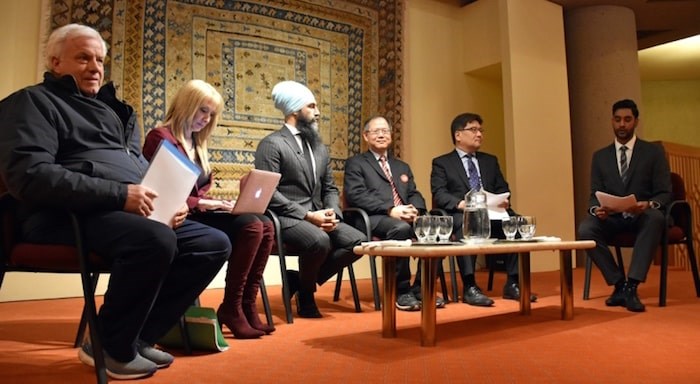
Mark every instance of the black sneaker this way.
pixel 137 368
pixel 439 301
pixel 407 302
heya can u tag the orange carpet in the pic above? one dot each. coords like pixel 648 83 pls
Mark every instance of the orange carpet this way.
pixel 474 345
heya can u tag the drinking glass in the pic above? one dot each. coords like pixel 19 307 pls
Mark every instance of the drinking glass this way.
pixel 431 228
pixel 420 229
pixel 526 227
pixel 510 227
pixel 444 228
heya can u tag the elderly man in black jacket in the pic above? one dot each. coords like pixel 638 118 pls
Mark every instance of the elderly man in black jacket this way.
pixel 69 143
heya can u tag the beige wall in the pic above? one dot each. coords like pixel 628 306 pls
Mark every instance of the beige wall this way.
pixel 19 41
pixel 670 111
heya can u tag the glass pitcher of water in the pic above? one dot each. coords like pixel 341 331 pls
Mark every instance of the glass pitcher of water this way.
pixel 476 226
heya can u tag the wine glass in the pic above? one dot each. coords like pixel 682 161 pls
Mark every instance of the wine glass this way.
pixel 444 228
pixel 510 227
pixel 420 229
pixel 431 228
pixel 526 227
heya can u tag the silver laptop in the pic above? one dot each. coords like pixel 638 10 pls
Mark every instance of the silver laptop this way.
pixel 256 189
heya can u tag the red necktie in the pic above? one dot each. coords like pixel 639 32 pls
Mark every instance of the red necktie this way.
pixel 394 192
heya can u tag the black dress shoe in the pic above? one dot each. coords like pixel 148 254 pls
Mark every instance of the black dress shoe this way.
pixel 306 306
pixel 511 291
pixel 632 301
pixel 474 296
pixel 617 299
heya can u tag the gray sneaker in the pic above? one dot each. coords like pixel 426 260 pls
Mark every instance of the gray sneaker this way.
pixel 137 368
pixel 407 302
pixel 439 301
pixel 161 358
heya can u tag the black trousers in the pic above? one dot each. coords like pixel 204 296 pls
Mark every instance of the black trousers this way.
pixel 156 272
pixel 388 228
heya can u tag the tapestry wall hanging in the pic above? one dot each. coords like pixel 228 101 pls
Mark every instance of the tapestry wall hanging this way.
pixel 347 52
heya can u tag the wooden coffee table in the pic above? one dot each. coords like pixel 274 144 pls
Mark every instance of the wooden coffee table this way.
pixel 431 255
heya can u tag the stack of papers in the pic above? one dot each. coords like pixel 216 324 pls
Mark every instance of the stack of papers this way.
pixel 493 202
pixel 616 203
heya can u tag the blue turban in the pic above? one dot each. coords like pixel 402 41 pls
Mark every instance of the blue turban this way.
pixel 290 96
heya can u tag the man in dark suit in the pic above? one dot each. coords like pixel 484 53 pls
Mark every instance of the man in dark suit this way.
pixel 384 186
pixel 306 199
pixel 628 166
pixel 450 181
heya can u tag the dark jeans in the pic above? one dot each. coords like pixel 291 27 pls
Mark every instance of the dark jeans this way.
pixel 156 272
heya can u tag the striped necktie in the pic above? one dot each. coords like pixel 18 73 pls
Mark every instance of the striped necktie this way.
pixel 624 166
pixel 387 173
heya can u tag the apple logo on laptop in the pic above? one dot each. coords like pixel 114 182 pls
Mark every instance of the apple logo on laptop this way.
pixel 258 193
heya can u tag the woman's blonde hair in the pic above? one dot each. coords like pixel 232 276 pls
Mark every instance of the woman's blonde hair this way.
pixel 183 107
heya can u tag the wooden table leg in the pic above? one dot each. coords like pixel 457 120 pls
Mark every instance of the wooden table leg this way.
pixel 567 285
pixel 524 272
pixel 428 283
pixel 389 297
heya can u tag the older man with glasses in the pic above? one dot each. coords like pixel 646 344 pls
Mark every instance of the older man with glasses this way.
pixel 384 186
pixel 452 176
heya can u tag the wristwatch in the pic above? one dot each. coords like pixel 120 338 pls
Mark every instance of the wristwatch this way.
pixel 654 204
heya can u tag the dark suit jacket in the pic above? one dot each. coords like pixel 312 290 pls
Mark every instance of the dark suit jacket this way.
pixel 367 187
pixel 649 174
pixel 449 181
pixel 295 195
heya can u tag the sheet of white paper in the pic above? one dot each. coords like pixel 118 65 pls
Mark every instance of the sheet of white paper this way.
pixel 493 202
pixel 172 176
pixel 616 203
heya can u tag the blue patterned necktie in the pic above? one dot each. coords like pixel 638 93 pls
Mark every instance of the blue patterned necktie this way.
pixel 474 180
pixel 624 166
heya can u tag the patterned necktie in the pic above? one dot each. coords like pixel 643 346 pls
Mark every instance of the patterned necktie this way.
pixel 624 167
pixel 474 180
pixel 387 173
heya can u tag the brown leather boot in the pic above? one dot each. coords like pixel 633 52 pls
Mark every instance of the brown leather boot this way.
pixel 250 292
pixel 230 312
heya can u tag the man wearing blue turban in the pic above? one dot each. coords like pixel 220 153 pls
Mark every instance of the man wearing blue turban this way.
pixel 306 199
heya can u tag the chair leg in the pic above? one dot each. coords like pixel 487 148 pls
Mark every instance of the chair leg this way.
pixel 266 303
pixel 185 335
pixel 80 335
pixel 587 278
pixel 492 268
pixel 453 276
pixel 375 283
pixel 338 284
pixel 693 265
pixel 286 297
pixel 353 287
pixel 443 283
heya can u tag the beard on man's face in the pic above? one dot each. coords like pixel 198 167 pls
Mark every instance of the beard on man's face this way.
pixel 308 130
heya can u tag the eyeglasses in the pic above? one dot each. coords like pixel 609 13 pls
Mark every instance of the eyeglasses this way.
pixel 382 131
pixel 473 129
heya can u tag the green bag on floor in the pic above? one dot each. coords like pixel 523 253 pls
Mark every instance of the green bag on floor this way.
pixel 202 329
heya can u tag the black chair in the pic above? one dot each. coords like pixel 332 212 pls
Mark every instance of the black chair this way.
pixel 19 256
pixel 282 251
pixel 679 223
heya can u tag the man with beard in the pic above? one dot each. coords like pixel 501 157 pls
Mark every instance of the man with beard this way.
pixel 628 166
pixel 306 199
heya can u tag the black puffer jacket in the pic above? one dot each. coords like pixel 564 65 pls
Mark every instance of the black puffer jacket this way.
pixel 60 149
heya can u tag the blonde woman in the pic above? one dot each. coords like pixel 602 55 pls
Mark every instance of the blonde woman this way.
pixel 191 117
